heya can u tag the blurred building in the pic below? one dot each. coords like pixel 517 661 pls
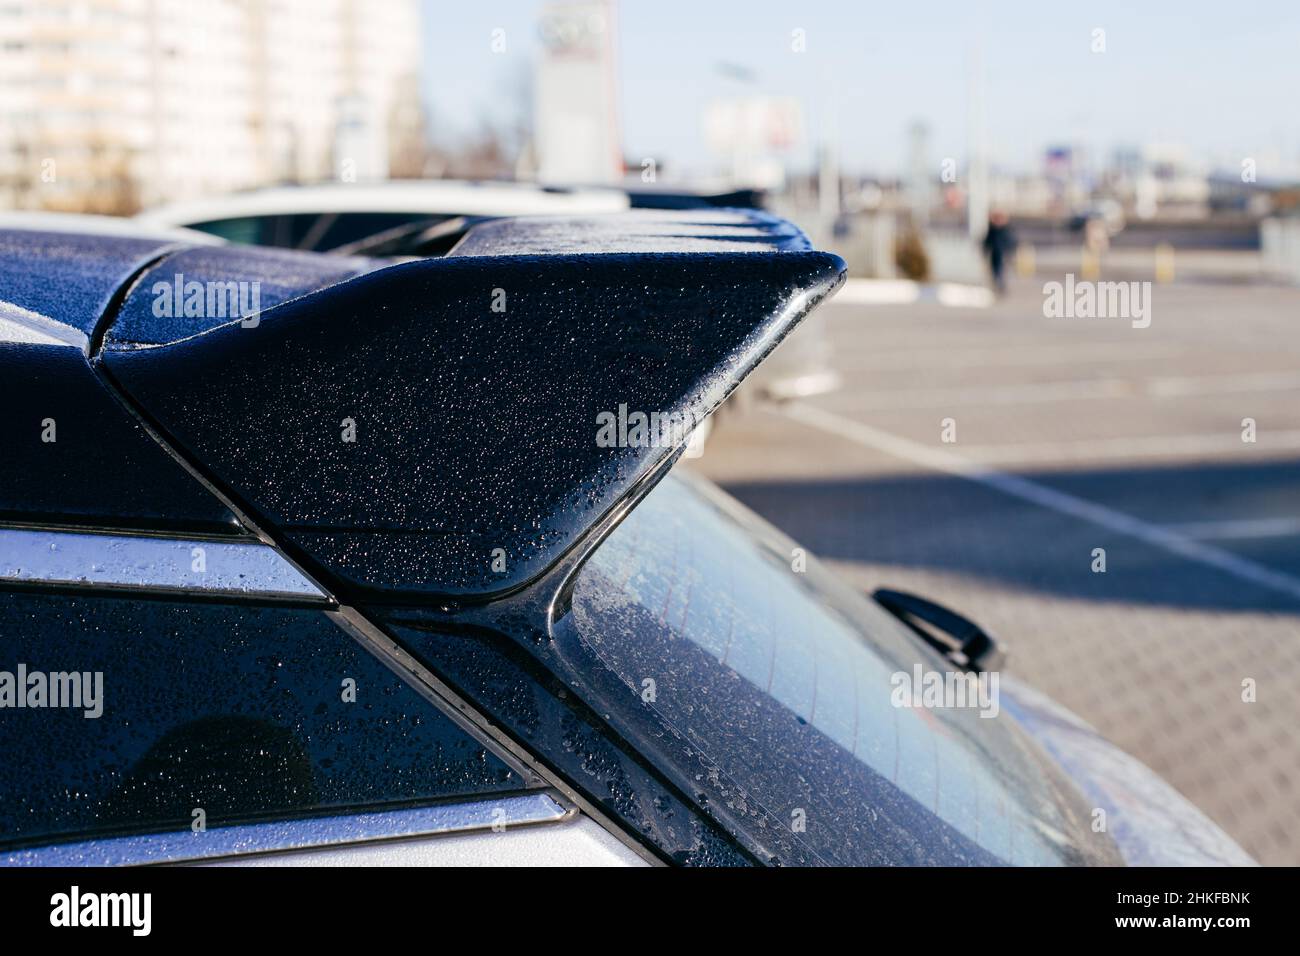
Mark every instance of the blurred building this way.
pixel 1160 179
pixel 109 105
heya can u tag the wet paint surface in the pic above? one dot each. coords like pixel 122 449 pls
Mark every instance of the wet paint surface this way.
pixel 74 455
pixel 67 277
pixel 476 461
pixel 153 313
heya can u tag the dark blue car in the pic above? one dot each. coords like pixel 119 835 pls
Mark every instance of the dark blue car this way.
pixel 321 559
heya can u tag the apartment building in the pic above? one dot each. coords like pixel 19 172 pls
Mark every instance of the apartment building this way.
pixel 111 105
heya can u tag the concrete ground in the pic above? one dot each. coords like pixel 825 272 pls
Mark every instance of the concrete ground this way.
pixel 1073 435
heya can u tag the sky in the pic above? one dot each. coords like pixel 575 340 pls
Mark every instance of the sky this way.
pixel 1220 79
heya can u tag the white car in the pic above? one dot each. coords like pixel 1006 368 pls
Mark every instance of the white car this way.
pixel 334 216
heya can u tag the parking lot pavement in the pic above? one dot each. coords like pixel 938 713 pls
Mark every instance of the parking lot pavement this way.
pixel 1073 435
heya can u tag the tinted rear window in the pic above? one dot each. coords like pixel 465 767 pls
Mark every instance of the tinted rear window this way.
pixel 243 712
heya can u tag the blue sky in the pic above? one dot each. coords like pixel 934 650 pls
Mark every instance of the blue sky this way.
pixel 1219 78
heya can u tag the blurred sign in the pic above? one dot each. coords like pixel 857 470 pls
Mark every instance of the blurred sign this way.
pixel 577 104
pixel 360 143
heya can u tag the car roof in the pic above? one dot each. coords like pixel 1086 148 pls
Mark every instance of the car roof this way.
pixel 89 225
pixel 433 196
pixel 68 278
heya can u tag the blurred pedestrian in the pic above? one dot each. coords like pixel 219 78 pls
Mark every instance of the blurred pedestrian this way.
pixel 1096 237
pixel 999 243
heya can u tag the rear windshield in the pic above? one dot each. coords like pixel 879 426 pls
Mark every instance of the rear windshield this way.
pixel 776 685
pixel 310 231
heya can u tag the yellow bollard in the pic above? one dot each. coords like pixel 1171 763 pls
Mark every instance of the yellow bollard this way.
pixel 1164 262
pixel 1090 264
pixel 1026 264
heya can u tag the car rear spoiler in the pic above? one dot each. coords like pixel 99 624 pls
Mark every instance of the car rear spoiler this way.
pixel 449 428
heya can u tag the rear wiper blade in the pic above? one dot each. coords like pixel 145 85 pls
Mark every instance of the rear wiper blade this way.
pixel 957 638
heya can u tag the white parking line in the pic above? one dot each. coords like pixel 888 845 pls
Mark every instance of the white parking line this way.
pixel 946 356
pixel 1159 388
pixel 992 395
pixel 1147 446
pixel 1240 529
pixel 1223 384
pixel 859 291
pixel 1050 498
